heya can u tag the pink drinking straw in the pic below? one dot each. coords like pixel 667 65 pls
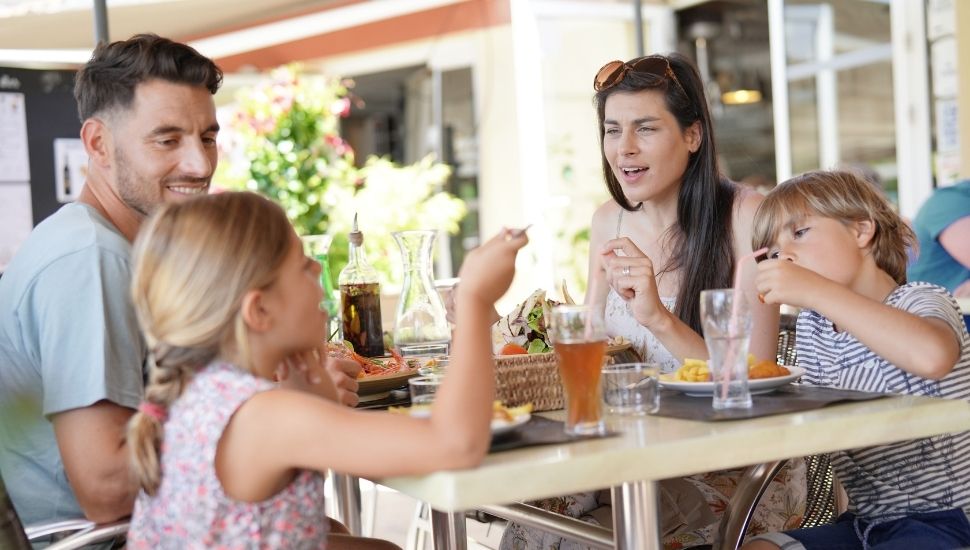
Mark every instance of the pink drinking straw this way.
pixel 733 322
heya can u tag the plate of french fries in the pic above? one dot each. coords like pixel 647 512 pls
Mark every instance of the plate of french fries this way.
pixel 504 419
pixel 694 377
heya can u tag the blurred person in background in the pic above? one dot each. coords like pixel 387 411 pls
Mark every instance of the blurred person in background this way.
pixel 942 227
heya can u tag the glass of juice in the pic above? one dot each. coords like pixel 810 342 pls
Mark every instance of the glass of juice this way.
pixel 579 341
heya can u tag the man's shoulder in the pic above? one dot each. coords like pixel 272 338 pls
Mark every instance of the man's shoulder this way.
pixel 77 232
pixel 75 240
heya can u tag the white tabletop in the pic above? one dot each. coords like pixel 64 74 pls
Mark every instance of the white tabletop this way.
pixel 654 448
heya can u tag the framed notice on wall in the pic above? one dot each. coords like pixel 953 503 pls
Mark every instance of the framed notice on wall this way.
pixel 14 161
pixel 70 168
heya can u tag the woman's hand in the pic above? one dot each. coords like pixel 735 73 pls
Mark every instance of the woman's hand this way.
pixel 632 277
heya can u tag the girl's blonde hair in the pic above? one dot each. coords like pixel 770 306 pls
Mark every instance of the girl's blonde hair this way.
pixel 194 261
pixel 843 196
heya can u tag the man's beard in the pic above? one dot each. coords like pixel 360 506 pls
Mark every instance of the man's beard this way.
pixel 141 195
pixel 131 188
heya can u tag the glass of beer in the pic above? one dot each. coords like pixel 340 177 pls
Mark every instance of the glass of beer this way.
pixel 579 341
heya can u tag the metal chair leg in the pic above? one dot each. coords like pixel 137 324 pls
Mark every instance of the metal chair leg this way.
pixel 737 515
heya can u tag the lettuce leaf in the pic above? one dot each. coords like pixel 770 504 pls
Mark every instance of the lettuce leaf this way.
pixel 538 346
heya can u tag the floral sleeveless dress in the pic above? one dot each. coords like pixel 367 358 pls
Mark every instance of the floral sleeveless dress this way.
pixel 190 510
pixel 690 507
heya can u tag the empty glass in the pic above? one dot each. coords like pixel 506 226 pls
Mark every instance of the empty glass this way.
pixel 631 388
pixel 423 389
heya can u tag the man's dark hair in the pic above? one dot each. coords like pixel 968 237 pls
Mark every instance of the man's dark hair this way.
pixel 109 79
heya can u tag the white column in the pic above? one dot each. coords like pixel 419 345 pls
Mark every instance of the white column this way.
pixel 779 88
pixel 531 124
pixel 911 97
pixel 826 90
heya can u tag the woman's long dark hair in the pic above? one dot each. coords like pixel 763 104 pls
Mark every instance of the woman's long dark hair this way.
pixel 702 241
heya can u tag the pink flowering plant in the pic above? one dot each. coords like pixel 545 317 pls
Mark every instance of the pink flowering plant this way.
pixel 283 140
pixel 286 144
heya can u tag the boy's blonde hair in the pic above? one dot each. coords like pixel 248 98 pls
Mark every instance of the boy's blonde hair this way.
pixel 842 196
pixel 194 261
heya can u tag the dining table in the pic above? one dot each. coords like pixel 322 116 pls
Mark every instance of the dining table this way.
pixel 645 450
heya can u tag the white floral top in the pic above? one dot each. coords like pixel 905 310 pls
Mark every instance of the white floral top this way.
pixel 190 509
pixel 620 322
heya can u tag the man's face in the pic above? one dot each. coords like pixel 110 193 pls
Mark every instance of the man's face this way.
pixel 164 145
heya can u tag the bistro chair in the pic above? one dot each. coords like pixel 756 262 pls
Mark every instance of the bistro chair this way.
pixel 823 502
pixel 77 532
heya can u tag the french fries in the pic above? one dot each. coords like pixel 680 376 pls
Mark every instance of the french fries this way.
pixel 693 370
pixel 508 414
pixel 499 411
pixel 696 370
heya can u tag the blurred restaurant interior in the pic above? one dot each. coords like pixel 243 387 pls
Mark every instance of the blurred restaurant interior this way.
pixel 499 90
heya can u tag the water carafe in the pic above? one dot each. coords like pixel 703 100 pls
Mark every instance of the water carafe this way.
pixel 420 315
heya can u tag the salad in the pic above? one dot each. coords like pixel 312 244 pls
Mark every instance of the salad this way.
pixel 524 329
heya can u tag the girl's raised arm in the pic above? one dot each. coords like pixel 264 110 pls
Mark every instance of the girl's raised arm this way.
pixel 280 430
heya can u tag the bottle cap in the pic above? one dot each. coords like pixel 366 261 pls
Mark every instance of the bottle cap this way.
pixel 355 236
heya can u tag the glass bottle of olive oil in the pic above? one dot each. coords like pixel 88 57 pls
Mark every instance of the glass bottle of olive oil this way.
pixel 360 300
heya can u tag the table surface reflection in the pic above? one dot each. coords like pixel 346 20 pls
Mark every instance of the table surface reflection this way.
pixel 653 448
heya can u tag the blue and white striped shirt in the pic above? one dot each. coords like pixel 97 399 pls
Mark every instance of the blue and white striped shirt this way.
pixel 922 475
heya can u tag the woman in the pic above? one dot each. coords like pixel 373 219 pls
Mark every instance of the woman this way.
pixel 673 227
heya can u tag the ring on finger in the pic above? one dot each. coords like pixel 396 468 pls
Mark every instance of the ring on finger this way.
pixel 626 271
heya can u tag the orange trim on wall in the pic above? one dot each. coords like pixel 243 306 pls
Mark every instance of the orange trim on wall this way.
pixel 333 4
pixel 463 16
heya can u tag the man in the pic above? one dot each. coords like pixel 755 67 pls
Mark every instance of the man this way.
pixel 70 348
pixel 71 355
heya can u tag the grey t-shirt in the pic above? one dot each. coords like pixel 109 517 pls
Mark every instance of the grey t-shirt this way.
pixel 68 339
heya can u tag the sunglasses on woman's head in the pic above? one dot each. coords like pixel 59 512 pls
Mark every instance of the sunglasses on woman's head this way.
pixel 613 72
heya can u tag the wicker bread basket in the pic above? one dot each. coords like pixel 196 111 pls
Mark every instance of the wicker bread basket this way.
pixel 521 379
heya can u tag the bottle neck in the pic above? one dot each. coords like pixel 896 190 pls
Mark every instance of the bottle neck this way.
pixel 356 255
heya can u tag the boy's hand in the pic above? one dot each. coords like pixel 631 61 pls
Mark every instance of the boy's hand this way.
pixel 487 271
pixel 783 282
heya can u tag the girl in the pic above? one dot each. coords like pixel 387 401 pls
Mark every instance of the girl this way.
pixel 838 250
pixel 224 456
pixel 673 227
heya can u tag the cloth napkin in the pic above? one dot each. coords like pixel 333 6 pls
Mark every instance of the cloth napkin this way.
pixel 791 398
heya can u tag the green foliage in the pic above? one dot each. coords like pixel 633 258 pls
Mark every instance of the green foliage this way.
pixel 384 207
pixel 284 142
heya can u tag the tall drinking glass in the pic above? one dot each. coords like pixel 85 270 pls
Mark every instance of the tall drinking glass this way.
pixel 726 318
pixel 318 248
pixel 579 341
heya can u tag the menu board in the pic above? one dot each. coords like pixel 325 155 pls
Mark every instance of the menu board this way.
pixel 16 217
pixel 14 163
pixel 37 108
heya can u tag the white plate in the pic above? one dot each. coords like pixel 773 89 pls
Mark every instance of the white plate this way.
pixel 756 387
pixel 499 427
